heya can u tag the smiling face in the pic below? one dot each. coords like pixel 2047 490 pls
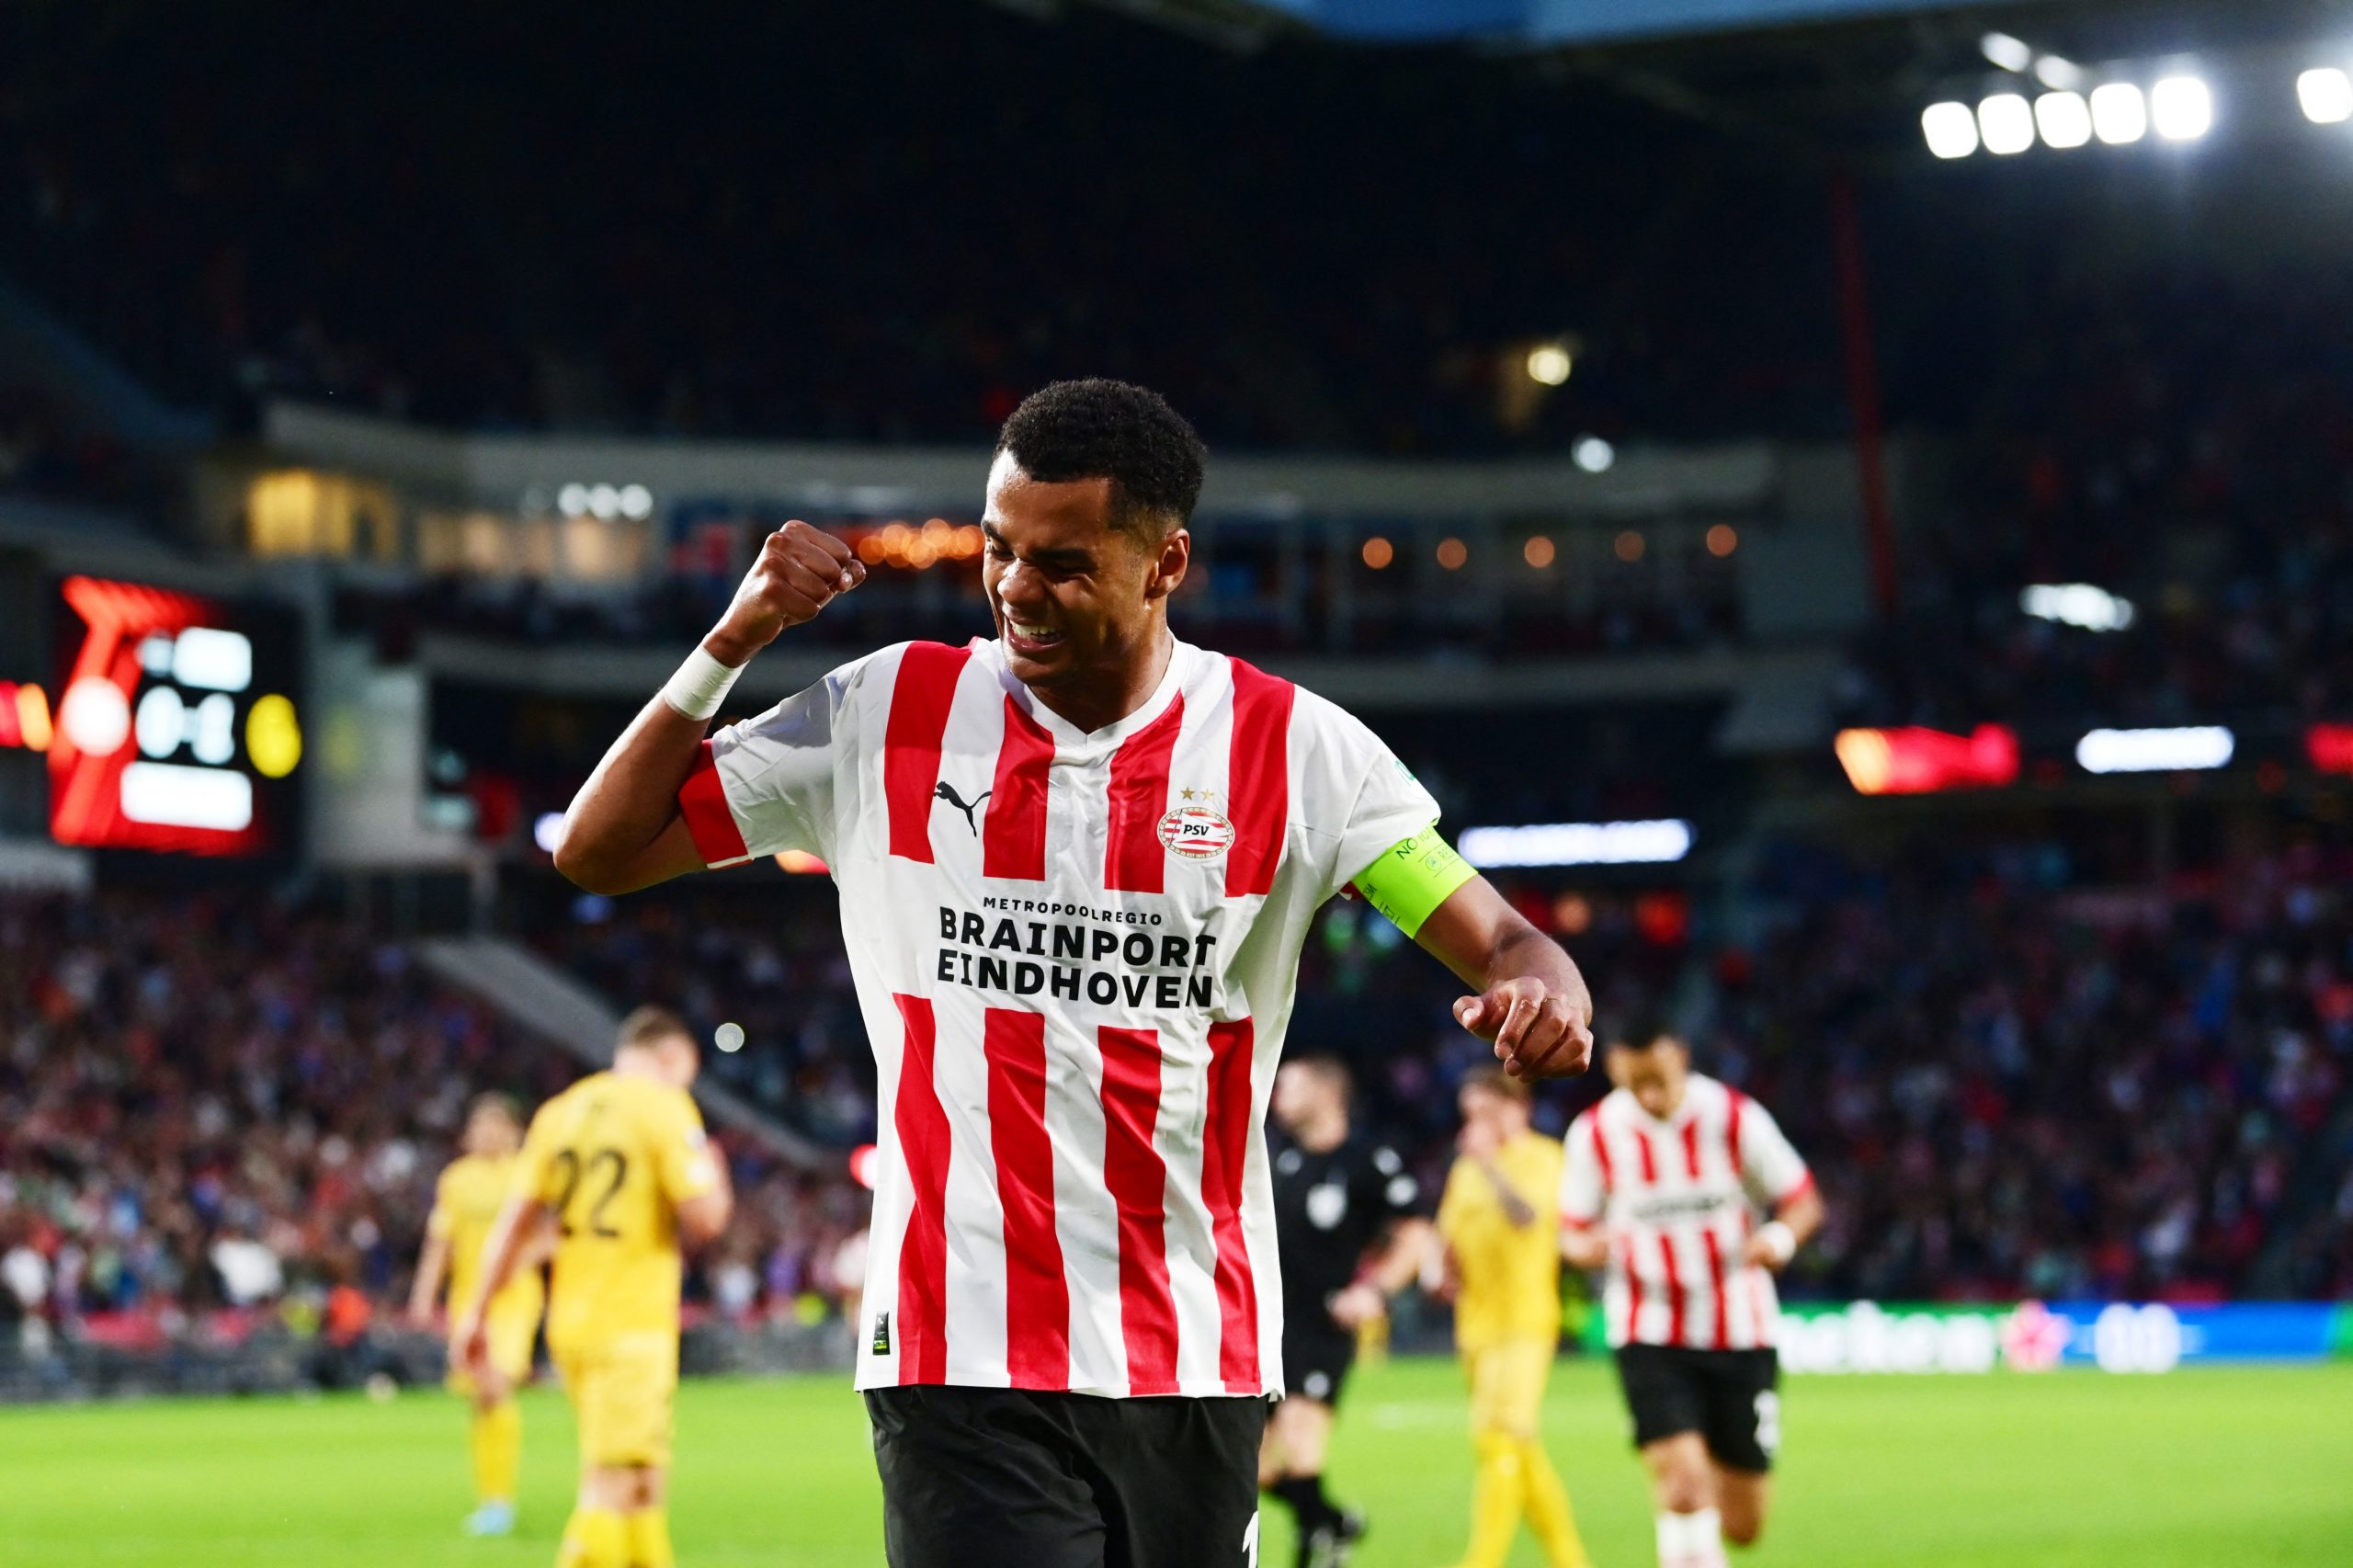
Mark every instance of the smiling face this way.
pixel 1079 600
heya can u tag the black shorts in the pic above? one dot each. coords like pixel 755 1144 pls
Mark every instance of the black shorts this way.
pixel 1004 1477
pixel 1730 1397
pixel 1316 1362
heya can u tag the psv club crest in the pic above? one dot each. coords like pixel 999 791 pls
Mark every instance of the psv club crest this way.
pixel 1194 830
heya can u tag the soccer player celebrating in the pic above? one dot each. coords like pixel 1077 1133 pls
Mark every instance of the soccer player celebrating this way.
pixel 1076 866
pixel 465 1205
pixel 618 1166
pixel 1664 1182
pixel 1499 1221
pixel 1336 1196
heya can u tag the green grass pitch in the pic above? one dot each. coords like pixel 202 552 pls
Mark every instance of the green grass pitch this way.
pixel 2204 1469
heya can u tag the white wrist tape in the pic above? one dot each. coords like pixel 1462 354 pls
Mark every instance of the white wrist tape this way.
pixel 1780 1238
pixel 700 686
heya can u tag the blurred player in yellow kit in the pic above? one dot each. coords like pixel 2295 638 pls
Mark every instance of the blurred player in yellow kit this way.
pixel 1499 1219
pixel 466 1204
pixel 619 1164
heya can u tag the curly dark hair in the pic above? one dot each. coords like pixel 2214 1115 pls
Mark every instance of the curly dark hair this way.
pixel 1115 430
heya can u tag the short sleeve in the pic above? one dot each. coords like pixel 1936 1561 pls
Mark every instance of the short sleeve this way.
pixel 437 1224
pixel 1360 797
pixel 1396 1192
pixel 1770 1166
pixel 684 1165
pixel 529 1181
pixel 1583 1192
pixel 767 784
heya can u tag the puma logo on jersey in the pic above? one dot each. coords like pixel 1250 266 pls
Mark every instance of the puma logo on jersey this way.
pixel 947 792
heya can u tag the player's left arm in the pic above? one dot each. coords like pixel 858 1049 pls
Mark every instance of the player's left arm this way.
pixel 432 1269
pixel 1772 1168
pixel 1532 1005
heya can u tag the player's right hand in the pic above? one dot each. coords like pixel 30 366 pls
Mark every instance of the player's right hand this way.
pixel 801 569
pixel 470 1343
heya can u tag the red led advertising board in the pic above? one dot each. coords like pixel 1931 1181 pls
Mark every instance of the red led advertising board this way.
pixel 176 727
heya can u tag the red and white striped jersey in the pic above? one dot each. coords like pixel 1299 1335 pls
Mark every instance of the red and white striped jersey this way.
pixel 1680 1199
pixel 1076 955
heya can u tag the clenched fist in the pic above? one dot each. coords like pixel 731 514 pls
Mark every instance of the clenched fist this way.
pixel 800 571
pixel 1537 1032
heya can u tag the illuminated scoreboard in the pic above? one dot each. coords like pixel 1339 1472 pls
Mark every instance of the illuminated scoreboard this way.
pixel 175 726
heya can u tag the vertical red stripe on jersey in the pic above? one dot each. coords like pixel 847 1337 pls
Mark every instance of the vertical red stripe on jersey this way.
pixel 1257 779
pixel 1138 1179
pixel 1624 1248
pixel 1135 859
pixel 1732 1131
pixel 1716 1285
pixel 923 1254
pixel 1601 1152
pixel 1226 1143
pixel 1012 844
pixel 1650 1157
pixel 702 801
pixel 1037 1296
pixel 1691 1147
pixel 920 698
pixel 1674 1289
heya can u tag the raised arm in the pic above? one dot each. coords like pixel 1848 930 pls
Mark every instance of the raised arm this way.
pixel 1532 1005
pixel 623 829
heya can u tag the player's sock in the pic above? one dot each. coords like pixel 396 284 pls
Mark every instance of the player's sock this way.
pixel 1548 1513
pixel 1691 1540
pixel 1304 1495
pixel 1496 1499
pixel 649 1540
pixel 498 1441
pixel 596 1538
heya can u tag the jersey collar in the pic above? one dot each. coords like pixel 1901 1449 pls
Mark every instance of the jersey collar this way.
pixel 1068 737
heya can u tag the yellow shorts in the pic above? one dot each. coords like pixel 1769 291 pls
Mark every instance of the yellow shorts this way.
pixel 513 1332
pixel 625 1395
pixel 1506 1380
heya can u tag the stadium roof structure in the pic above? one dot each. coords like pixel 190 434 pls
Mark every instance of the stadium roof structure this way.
pixel 1543 24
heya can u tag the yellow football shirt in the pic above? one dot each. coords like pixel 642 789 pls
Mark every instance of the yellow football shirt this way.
pixel 1510 1273
pixel 614 1156
pixel 465 1205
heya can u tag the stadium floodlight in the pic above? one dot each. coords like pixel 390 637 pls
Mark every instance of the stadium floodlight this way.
pixel 2078 604
pixel 2120 113
pixel 1951 128
pixel 2188 749
pixel 636 502
pixel 2006 123
pixel 2058 74
pixel 1549 365
pixel 1579 844
pixel 2181 109
pixel 1593 454
pixel 2009 53
pixel 2064 120
pixel 547 831
pixel 572 500
pixel 2327 94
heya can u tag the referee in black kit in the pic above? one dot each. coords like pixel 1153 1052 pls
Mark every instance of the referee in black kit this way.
pixel 1349 1239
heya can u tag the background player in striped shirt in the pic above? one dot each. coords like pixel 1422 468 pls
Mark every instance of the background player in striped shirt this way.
pixel 617 1165
pixel 1501 1227
pixel 466 1203
pixel 1665 1181
pixel 1077 864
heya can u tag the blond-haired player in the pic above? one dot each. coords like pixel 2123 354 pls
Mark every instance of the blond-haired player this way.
pixel 466 1203
pixel 1499 1221
pixel 619 1164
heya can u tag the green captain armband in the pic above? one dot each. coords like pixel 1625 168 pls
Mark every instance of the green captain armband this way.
pixel 1412 876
